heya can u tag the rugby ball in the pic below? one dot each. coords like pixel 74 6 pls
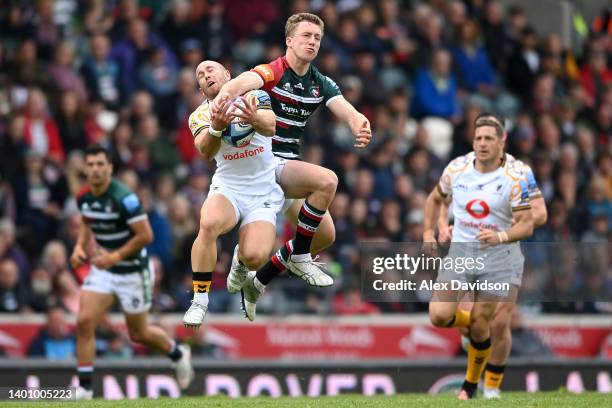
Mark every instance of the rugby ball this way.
pixel 238 134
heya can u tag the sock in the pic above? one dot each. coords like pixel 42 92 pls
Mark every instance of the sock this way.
pixel 494 375
pixel 470 388
pixel 460 319
pixel 258 285
pixel 271 269
pixel 175 353
pixel 201 286
pixel 285 252
pixel 85 372
pixel 478 354
pixel 308 222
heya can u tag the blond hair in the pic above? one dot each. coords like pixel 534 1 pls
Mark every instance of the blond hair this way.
pixel 294 20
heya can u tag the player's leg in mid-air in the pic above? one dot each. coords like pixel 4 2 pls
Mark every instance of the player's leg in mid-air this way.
pixel 135 294
pixel 257 236
pixel 256 241
pixel 218 216
pixel 318 186
pixel 154 337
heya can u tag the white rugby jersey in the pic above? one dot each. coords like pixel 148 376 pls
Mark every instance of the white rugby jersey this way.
pixel 484 200
pixel 521 167
pixel 246 169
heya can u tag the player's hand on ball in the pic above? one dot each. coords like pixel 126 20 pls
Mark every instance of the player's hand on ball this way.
pixel 363 134
pixel 487 237
pixel 217 105
pixel 246 112
pixel 78 257
pixel 221 119
pixel 105 259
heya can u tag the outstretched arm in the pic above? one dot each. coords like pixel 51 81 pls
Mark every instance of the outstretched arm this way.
pixel 247 81
pixel 359 124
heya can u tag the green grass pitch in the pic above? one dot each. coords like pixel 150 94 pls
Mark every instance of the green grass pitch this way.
pixel 509 399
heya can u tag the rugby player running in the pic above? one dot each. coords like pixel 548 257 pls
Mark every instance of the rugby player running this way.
pixel 112 214
pixel 492 213
pixel 501 334
pixel 297 89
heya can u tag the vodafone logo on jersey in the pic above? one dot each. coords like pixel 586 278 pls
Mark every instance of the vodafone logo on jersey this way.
pixel 478 208
pixel 244 154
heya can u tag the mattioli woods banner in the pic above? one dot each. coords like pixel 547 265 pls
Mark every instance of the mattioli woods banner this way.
pixel 360 337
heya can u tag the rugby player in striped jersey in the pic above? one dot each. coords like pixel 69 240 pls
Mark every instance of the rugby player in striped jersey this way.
pixel 111 214
pixel 297 89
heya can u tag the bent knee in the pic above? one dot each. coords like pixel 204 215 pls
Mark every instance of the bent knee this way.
pixel 440 318
pixel 329 182
pixel 254 259
pixel 208 230
pixel 500 325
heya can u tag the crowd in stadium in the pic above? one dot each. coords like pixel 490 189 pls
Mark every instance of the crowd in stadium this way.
pixel 121 73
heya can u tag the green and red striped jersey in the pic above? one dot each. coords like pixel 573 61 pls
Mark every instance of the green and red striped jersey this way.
pixel 294 99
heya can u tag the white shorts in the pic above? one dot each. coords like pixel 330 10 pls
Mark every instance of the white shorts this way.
pixel 250 207
pixel 134 290
pixel 277 172
pixel 498 264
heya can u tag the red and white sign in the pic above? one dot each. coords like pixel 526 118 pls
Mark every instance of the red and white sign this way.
pixel 345 338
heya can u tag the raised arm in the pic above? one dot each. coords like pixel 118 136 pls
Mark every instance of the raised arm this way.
pixel 359 124
pixel 247 81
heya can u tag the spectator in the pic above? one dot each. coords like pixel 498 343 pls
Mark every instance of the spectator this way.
pixel 163 154
pixel 494 33
pixel 40 194
pixel 474 69
pixel 13 297
pixel 13 248
pixel 100 72
pixel 41 293
pixel 40 130
pixel 70 122
pixel 350 303
pixel 524 65
pixel 435 90
pixel 131 51
pixel 595 76
pixel 55 341
pixel 62 72
pixel 156 75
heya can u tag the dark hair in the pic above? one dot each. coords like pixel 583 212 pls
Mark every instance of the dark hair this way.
pixel 490 119
pixel 96 149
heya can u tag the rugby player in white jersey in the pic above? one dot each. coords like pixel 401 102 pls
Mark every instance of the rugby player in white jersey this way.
pixel 243 188
pixel 492 213
pixel 501 334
